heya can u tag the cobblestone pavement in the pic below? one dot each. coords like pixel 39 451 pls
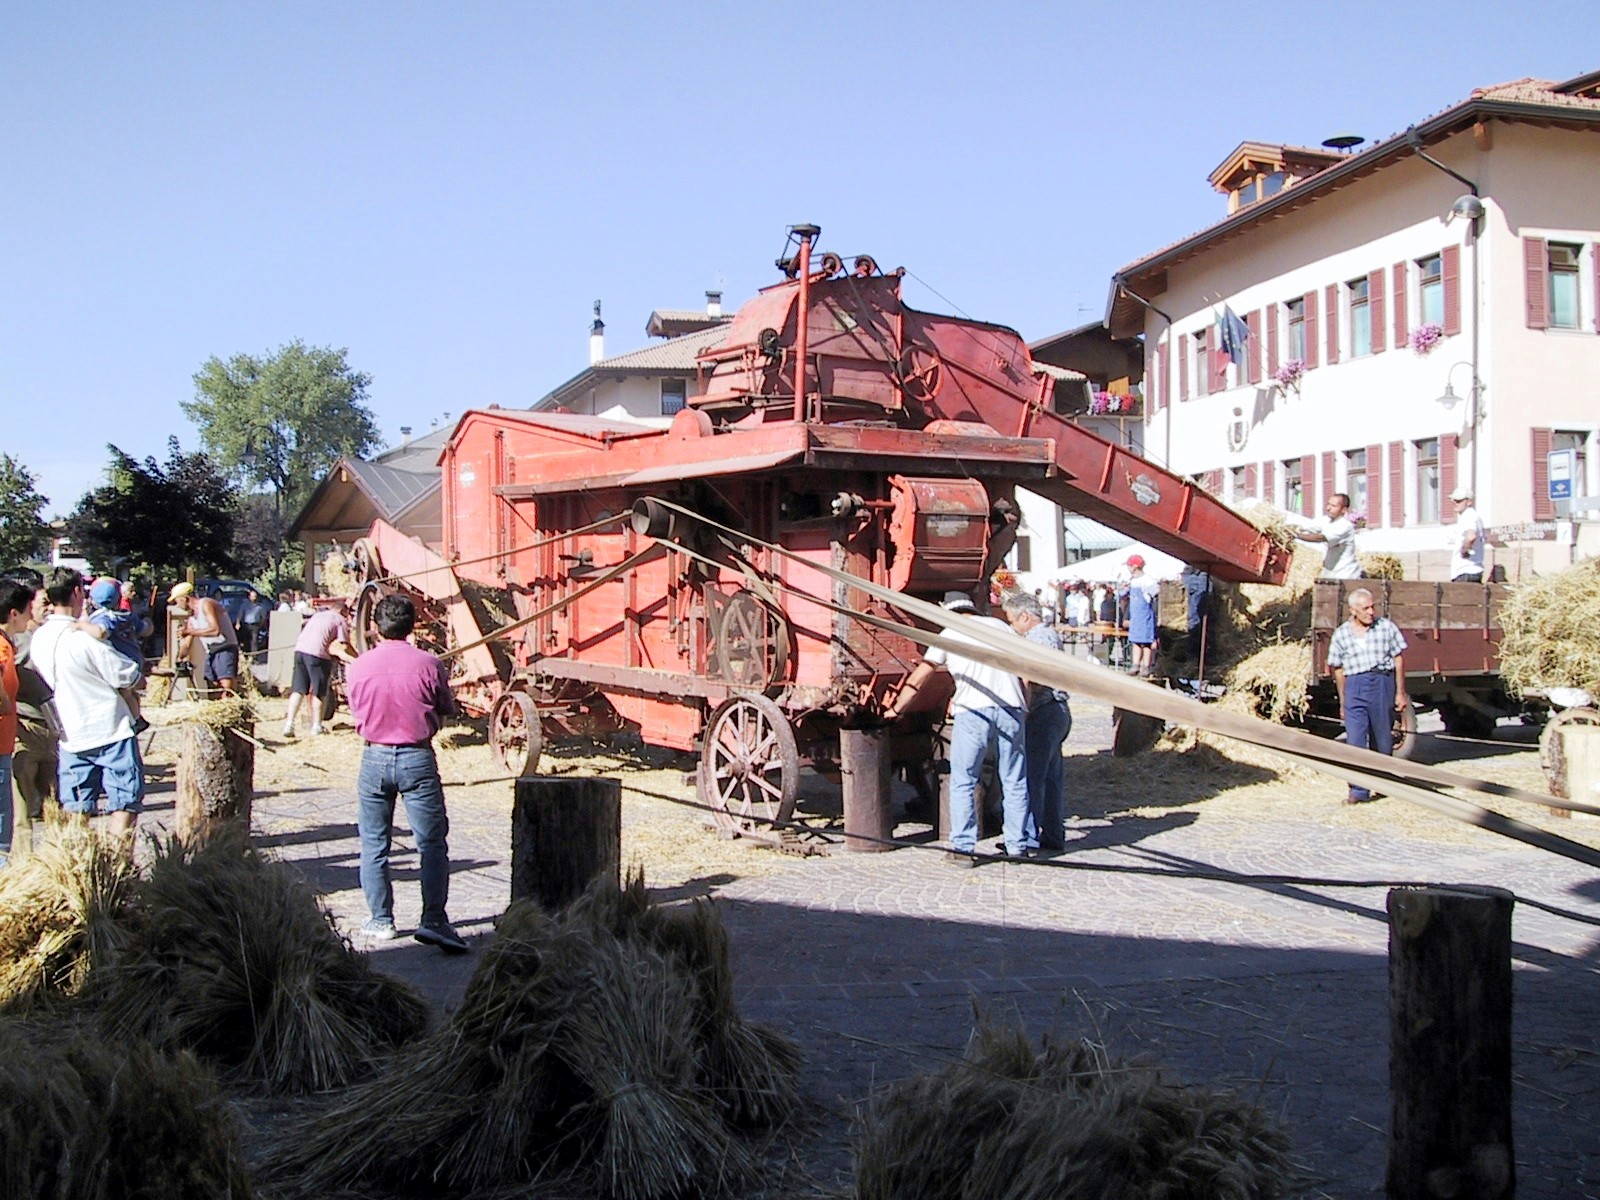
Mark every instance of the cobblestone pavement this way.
pixel 1250 976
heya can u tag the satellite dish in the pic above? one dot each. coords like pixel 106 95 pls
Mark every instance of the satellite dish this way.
pixel 1344 142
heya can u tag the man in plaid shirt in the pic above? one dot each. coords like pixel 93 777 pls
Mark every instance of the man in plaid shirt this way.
pixel 1367 655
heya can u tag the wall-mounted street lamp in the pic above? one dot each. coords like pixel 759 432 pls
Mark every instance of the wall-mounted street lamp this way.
pixel 1474 396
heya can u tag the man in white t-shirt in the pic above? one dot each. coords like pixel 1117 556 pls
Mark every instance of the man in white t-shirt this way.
pixel 1338 534
pixel 988 705
pixel 1466 551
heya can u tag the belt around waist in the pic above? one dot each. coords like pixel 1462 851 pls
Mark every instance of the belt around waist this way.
pixel 425 745
pixel 1389 670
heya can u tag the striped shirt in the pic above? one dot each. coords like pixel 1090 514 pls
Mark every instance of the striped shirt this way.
pixel 1357 654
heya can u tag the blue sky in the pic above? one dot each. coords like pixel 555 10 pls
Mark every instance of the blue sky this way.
pixel 444 189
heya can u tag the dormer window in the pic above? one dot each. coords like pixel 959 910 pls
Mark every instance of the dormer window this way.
pixel 1258 170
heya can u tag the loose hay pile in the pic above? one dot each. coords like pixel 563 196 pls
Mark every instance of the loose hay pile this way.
pixel 1551 631
pixel 232 956
pixel 1261 640
pixel 1067 1122
pixel 1382 566
pixel 63 914
pixel 597 1050
pixel 100 1120
pixel 217 949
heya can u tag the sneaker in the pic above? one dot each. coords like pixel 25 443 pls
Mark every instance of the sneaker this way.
pixel 288 733
pixel 380 929
pixel 442 935
pixel 315 731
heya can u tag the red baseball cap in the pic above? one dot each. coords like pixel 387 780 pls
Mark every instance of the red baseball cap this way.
pixel 1135 560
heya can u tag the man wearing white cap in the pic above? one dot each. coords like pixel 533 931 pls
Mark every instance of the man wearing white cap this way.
pixel 208 622
pixel 1466 557
pixel 988 705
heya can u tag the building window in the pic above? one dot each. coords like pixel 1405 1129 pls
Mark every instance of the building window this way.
pixel 1024 549
pixel 1564 285
pixel 1578 442
pixel 1246 194
pixel 1428 481
pixel 1360 317
pixel 1240 483
pixel 1202 364
pixel 1296 310
pixel 1355 480
pixel 674 394
pixel 1294 498
pixel 1431 307
pixel 1272 184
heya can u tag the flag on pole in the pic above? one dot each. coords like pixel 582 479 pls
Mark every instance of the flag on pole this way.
pixel 1232 334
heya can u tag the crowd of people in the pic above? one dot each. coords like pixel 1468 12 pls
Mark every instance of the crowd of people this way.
pixel 1122 616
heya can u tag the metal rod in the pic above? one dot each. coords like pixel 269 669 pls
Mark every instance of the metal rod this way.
pixel 801 317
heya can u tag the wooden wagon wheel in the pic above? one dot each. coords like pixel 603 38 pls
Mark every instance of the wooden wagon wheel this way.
pixel 749 767
pixel 1552 755
pixel 752 643
pixel 361 617
pixel 369 565
pixel 515 737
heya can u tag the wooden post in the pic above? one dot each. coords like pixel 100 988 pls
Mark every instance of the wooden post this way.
pixel 216 778
pixel 1450 1043
pixel 566 831
pixel 864 768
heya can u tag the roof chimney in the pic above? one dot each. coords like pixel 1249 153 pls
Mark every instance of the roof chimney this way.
pixel 405 434
pixel 713 304
pixel 597 337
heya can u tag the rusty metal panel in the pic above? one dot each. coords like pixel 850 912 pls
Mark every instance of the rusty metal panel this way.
pixel 939 529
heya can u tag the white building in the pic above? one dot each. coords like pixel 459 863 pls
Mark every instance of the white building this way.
pixel 1350 263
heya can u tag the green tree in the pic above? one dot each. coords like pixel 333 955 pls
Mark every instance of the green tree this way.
pixel 161 517
pixel 23 533
pixel 281 420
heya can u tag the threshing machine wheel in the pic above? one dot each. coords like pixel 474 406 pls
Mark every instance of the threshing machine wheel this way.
pixel 515 737
pixel 1552 751
pixel 749 767
pixel 369 565
pixel 751 645
pixel 361 620
pixel 921 373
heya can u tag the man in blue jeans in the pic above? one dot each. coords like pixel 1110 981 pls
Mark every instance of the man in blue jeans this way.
pixel 399 696
pixel 987 708
pixel 1367 657
pixel 1049 721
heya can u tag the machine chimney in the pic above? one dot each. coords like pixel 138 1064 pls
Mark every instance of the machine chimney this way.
pixel 713 304
pixel 597 337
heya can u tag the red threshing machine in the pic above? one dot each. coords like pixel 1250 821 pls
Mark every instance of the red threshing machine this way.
pixel 578 594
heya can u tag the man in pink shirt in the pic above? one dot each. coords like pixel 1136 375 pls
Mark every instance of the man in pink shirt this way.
pixel 399 696
pixel 325 635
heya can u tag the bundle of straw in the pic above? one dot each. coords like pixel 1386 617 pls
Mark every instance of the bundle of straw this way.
pixel 1063 1123
pixel 1382 566
pixel 1551 631
pixel 61 917
pixel 84 1117
pixel 232 956
pixel 577 1057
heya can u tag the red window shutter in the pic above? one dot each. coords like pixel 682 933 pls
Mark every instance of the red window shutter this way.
pixel 1202 369
pixel 1450 272
pixel 1375 310
pixel 1328 484
pixel 1158 385
pixel 1330 318
pixel 1448 445
pixel 1308 485
pixel 1269 483
pixel 1397 484
pixel 1310 300
pixel 1596 249
pixel 1252 354
pixel 1536 267
pixel 1544 508
pixel 1272 339
pixel 1402 297
pixel 1375 486
pixel 1214 482
pixel 1183 367
pixel 1250 480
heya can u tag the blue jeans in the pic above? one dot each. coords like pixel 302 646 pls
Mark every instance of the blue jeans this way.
pixel 412 774
pixel 1049 724
pixel 115 768
pixel 970 737
pixel 1369 716
pixel 5 809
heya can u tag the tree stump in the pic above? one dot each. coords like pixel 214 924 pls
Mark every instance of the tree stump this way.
pixel 566 832
pixel 864 770
pixel 216 778
pixel 1450 1043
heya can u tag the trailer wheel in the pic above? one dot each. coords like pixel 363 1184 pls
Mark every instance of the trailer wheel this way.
pixel 515 737
pixel 1405 732
pixel 749 768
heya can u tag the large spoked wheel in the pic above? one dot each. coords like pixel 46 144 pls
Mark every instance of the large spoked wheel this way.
pixel 750 768
pixel 515 738
pixel 361 635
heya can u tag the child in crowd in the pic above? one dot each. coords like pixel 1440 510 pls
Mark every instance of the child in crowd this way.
pixel 123 630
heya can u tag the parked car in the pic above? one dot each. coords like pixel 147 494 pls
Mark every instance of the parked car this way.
pixel 232 594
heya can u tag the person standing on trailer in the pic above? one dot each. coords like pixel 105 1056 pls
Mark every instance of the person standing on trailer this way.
pixel 1367 657
pixel 1337 534
pixel 1466 553
pixel 988 707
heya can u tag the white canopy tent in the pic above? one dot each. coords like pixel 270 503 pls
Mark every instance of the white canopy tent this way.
pixel 1104 568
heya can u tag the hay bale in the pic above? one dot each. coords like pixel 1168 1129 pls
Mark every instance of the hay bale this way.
pixel 81 1116
pixel 578 1057
pixel 63 914
pixel 1065 1122
pixel 341 576
pixel 232 956
pixel 1551 631
pixel 1381 566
